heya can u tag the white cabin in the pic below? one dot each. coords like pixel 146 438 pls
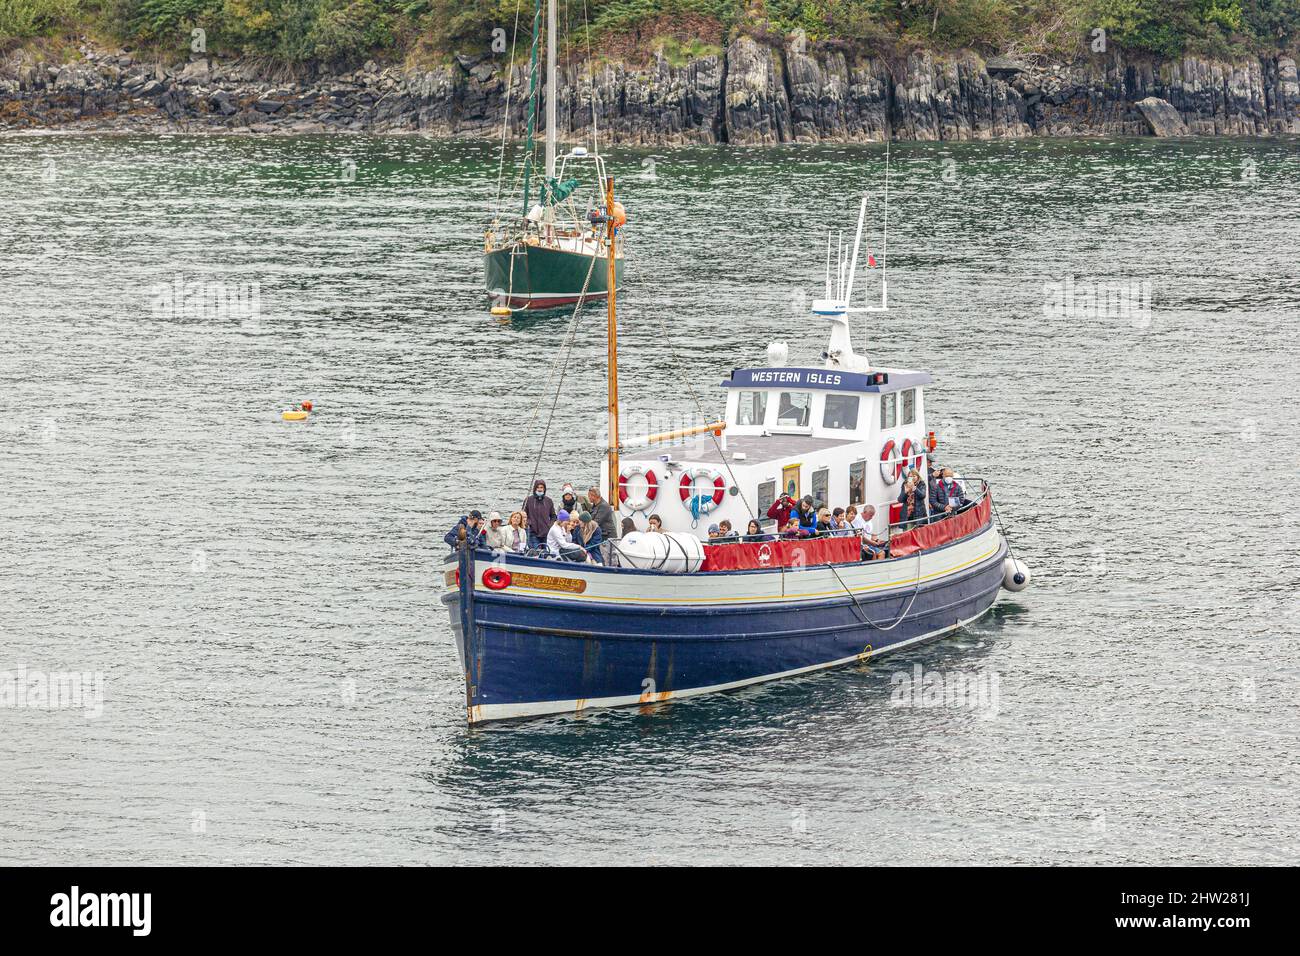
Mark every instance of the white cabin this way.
pixel 842 437
pixel 845 433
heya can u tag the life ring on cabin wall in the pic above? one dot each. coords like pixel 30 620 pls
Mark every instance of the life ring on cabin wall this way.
pixel 642 502
pixel 708 502
pixel 912 455
pixel 890 470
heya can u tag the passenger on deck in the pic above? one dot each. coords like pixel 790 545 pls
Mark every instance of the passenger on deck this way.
pixel 656 525
pixel 912 498
pixel 825 524
pixel 559 540
pixel 473 525
pixel 755 532
pixel 872 546
pixel 628 525
pixel 604 515
pixel 516 533
pixel 591 537
pixel 713 532
pixel 539 509
pixel 792 529
pixel 495 537
pixel 806 515
pixel 947 495
pixel 859 522
pixel 568 499
pixel 782 510
pixel 838 520
pixel 726 533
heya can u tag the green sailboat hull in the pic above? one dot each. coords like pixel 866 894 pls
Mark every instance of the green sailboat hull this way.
pixel 545 278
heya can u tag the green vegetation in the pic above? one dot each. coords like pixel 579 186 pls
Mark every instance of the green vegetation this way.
pixel 339 32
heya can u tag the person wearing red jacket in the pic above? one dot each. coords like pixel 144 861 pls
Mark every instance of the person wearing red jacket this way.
pixel 782 510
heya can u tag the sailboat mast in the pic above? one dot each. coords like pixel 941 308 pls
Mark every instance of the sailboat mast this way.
pixel 612 459
pixel 550 87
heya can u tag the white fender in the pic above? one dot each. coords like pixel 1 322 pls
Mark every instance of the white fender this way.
pixel 1015 574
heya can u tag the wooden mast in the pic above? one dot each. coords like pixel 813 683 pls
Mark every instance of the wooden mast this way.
pixel 611 484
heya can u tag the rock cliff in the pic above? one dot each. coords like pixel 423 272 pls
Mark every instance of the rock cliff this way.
pixel 752 94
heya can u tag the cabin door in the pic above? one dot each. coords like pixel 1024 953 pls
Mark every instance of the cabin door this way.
pixel 790 480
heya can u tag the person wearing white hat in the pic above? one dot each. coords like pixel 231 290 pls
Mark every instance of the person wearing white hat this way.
pixel 496 535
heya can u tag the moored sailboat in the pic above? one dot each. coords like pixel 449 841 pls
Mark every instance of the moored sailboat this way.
pixel 551 254
pixel 682 615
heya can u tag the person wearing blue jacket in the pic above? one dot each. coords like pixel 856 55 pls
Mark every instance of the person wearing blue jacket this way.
pixel 806 515
pixel 474 531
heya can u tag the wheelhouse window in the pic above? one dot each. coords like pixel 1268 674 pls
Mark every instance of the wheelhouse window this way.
pixel 858 483
pixel 766 497
pixel 841 412
pixel 909 406
pixel 794 409
pixel 889 410
pixel 820 479
pixel 751 408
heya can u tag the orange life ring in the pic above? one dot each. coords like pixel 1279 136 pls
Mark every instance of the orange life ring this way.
pixel 652 488
pixel 687 487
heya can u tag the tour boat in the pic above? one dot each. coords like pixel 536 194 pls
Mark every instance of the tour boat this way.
pixel 681 616
pixel 551 254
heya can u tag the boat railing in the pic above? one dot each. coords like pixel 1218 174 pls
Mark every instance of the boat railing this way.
pixel 982 490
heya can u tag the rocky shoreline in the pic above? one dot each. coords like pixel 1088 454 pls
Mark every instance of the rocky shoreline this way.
pixel 753 93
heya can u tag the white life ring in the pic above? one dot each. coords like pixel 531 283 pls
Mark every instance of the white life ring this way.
pixel 890 470
pixel 711 501
pixel 641 502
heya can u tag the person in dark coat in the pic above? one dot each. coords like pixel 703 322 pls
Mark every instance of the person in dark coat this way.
pixel 946 496
pixel 604 516
pixel 754 532
pixel 912 498
pixel 474 531
pixel 539 512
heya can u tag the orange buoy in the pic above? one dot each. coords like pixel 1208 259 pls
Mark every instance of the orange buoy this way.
pixel 306 406
pixel 619 214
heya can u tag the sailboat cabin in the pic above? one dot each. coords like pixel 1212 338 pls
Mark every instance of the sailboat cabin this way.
pixel 844 437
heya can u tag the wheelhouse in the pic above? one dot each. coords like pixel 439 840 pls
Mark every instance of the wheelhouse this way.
pixel 844 437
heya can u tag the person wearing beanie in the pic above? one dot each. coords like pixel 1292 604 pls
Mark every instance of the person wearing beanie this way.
pixel 569 499
pixel 559 540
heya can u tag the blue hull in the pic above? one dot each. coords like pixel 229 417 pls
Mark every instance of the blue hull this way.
pixel 530 655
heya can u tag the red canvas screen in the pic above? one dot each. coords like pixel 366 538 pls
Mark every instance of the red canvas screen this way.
pixel 793 553
pixel 927 536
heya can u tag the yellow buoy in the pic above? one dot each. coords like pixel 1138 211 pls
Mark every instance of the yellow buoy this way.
pixel 297 415
pixel 500 310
